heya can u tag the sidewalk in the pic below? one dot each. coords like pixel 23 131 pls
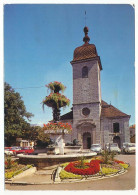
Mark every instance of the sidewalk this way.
pixel 43 176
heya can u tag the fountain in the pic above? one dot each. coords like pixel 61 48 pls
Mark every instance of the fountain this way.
pixel 58 153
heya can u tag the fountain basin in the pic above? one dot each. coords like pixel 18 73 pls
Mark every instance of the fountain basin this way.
pixel 43 160
pixel 56 150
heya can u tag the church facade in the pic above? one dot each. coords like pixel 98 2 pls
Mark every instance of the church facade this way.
pixel 92 119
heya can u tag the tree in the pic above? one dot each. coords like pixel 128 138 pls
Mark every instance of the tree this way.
pixel 31 133
pixel 15 115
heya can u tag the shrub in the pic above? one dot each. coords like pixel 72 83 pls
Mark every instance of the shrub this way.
pixel 105 156
pixel 112 155
pixel 9 163
pixel 81 163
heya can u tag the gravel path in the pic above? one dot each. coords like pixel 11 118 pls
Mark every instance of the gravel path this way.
pixel 122 182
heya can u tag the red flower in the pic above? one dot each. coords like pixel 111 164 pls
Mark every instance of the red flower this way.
pixel 117 161
pixel 93 168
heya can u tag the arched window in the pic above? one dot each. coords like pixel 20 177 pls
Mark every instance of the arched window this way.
pixel 116 127
pixel 85 72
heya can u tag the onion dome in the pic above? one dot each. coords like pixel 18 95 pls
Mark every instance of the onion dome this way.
pixel 86 51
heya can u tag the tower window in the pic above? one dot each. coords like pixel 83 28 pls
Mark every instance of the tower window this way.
pixel 85 111
pixel 116 127
pixel 85 72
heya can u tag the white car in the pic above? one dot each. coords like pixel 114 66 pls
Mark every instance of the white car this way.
pixel 7 152
pixel 130 148
pixel 96 148
pixel 124 146
pixel 113 147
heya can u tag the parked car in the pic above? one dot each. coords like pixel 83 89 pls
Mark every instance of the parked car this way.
pixel 96 148
pixel 113 147
pixel 124 146
pixel 130 148
pixel 7 152
pixel 25 150
pixel 14 149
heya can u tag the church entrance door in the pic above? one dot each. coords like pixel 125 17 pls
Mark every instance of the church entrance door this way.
pixel 86 140
pixel 117 140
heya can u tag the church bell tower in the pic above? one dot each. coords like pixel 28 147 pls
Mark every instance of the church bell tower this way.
pixel 86 66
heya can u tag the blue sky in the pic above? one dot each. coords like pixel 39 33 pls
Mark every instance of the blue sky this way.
pixel 39 41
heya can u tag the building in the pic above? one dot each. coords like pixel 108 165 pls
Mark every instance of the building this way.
pixel 132 133
pixel 132 130
pixel 24 143
pixel 93 120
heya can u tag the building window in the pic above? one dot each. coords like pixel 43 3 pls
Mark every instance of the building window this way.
pixel 85 72
pixel 116 127
pixel 85 111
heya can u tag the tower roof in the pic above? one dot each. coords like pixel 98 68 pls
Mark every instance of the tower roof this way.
pixel 86 51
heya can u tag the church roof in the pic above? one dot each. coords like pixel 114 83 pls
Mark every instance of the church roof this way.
pixel 67 116
pixel 107 111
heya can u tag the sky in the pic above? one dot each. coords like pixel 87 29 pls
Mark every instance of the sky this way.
pixel 39 41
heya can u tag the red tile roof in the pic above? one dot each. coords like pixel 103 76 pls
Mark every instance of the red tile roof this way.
pixel 84 52
pixel 109 111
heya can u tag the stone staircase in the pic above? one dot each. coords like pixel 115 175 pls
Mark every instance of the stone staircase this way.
pixel 48 172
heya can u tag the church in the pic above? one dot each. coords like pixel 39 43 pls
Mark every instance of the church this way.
pixel 93 120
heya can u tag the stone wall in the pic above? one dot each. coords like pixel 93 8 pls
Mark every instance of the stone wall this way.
pixel 107 130
pixel 86 90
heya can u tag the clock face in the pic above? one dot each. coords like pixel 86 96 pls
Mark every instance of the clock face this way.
pixel 85 111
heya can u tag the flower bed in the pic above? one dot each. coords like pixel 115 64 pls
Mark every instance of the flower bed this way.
pixel 12 168
pixel 108 171
pixel 90 168
pixel 94 167
pixel 66 175
pixel 13 172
